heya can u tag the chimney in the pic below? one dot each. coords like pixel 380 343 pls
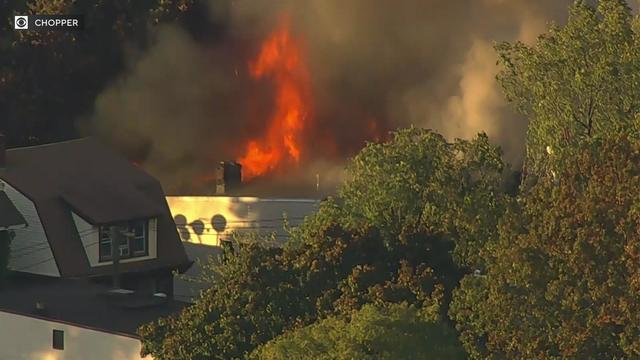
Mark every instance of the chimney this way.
pixel 3 151
pixel 228 177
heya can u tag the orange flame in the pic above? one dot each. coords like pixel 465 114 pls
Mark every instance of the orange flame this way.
pixel 280 59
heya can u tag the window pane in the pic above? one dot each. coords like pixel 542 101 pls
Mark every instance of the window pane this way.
pixel 138 245
pixel 137 228
pixel 124 250
pixel 105 250
pixel 139 239
pixel 104 233
pixel 58 339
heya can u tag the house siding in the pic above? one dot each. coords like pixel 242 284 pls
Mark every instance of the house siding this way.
pixel 89 234
pixel 240 213
pixel 29 338
pixel 30 249
pixel 249 214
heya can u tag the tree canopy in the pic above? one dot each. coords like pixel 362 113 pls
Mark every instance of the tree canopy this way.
pixel 420 182
pixel 390 332
pixel 560 279
pixel 563 279
pixel 579 81
pixel 390 237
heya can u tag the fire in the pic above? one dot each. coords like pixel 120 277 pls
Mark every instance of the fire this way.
pixel 281 61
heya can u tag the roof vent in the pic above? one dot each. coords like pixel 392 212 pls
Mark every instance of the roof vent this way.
pixel 120 292
pixel 40 308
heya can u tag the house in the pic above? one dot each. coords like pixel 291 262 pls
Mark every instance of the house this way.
pixel 206 222
pixel 74 289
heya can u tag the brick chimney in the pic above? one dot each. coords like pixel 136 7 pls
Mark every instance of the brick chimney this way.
pixel 228 177
pixel 3 151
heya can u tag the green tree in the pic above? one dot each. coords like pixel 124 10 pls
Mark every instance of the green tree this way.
pixel 435 198
pixel 579 81
pixel 563 280
pixel 419 182
pixel 389 332
pixel 253 299
pixel 260 292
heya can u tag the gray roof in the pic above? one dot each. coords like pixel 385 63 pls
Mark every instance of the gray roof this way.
pixel 86 177
pixel 10 217
pixel 81 303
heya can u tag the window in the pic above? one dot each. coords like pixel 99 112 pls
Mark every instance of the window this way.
pixel 133 242
pixel 58 339
pixel 105 244
pixel 139 239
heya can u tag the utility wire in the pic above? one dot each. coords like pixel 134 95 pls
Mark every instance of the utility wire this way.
pixel 258 220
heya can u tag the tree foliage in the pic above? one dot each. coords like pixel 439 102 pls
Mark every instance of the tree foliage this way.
pixel 261 292
pixel 577 82
pixel 394 331
pixel 389 237
pixel 563 280
pixel 254 298
pixel 419 182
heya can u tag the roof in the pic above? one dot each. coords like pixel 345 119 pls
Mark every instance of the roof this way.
pixel 80 303
pixel 10 217
pixel 117 203
pixel 86 177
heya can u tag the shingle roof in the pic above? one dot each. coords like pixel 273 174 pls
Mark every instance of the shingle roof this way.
pixel 79 302
pixel 9 216
pixel 86 177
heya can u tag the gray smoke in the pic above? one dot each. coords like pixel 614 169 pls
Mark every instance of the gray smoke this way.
pixel 184 104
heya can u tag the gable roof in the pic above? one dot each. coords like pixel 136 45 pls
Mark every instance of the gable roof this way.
pixel 10 217
pixel 85 177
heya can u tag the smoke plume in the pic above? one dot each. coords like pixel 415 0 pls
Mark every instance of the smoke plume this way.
pixel 188 101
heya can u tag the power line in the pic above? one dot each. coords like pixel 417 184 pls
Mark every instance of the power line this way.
pixel 46 244
pixel 21 253
pixel 48 258
pixel 254 221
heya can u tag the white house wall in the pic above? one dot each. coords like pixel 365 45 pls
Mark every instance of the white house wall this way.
pixel 30 250
pixel 240 213
pixel 27 338
pixel 90 235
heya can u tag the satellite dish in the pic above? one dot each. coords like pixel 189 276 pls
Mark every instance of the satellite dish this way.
pixel 197 227
pixel 219 223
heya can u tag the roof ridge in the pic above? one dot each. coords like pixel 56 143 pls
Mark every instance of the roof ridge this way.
pixel 49 144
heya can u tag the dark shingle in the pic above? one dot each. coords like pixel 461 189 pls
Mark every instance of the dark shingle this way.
pixel 79 302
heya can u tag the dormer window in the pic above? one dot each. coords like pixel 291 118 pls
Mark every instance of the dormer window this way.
pixel 134 240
